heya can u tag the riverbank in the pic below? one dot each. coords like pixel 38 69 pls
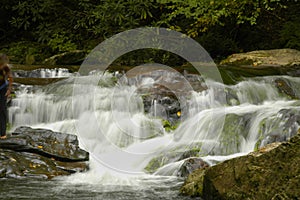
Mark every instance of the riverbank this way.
pixel 232 69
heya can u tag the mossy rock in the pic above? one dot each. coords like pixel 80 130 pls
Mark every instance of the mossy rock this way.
pixel 269 173
pixel 234 130
pixel 173 155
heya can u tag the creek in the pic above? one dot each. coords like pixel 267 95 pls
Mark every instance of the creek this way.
pixel 109 118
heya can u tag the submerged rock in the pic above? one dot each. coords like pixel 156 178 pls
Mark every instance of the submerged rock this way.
pixel 263 58
pixel 273 172
pixel 41 153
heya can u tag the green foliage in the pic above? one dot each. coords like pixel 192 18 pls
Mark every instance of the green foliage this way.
pixel 222 27
pixel 61 43
pixel 207 13
pixel 25 51
pixel 290 35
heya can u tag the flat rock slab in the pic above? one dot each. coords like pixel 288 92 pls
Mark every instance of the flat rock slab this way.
pixel 265 58
pixel 45 142
pixel 41 153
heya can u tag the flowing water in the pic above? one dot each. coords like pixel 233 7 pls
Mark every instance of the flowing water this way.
pixel 112 125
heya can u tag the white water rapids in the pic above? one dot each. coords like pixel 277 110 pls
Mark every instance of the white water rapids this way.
pixel 112 125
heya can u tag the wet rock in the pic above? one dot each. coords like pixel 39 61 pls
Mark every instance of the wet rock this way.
pixel 52 144
pixel 23 164
pixel 41 153
pixel 284 126
pixel 173 155
pixel 284 86
pixel 269 173
pixel 190 165
pixel 167 88
pixel 263 58
pixel 67 58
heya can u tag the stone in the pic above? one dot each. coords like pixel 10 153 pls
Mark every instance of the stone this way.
pixel 263 58
pixel 52 144
pixel 173 155
pixel 41 153
pixel 285 87
pixel 190 165
pixel 15 164
pixel 270 173
pixel 284 126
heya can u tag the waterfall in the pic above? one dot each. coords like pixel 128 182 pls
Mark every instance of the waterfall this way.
pixel 111 123
pixel 43 73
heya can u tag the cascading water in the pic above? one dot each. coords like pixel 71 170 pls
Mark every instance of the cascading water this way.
pixel 254 113
pixel 43 73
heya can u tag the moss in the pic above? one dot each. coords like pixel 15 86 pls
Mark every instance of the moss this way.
pixel 243 61
pixel 234 129
pixel 173 155
pixel 168 126
pixel 193 185
pixel 8 126
pixel 154 164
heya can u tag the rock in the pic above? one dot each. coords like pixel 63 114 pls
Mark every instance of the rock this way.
pixel 263 58
pixel 270 173
pixel 168 88
pixel 67 58
pixel 52 144
pixel 41 153
pixel 172 155
pixel 284 126
pixel 190 165
pixel 23 164
pixel 284 86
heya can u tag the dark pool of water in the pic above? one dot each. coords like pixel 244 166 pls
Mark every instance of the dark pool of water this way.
pixel 58 189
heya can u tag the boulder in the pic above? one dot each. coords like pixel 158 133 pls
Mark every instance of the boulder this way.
pixel 263 58
pixel 15 164
pixel 272 172
pixel 41 153
pixel 66 58
pixel 190 165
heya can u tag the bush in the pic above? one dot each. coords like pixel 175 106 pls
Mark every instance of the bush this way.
pixel 26 52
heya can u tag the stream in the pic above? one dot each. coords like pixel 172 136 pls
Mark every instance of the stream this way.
pixel 109 118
